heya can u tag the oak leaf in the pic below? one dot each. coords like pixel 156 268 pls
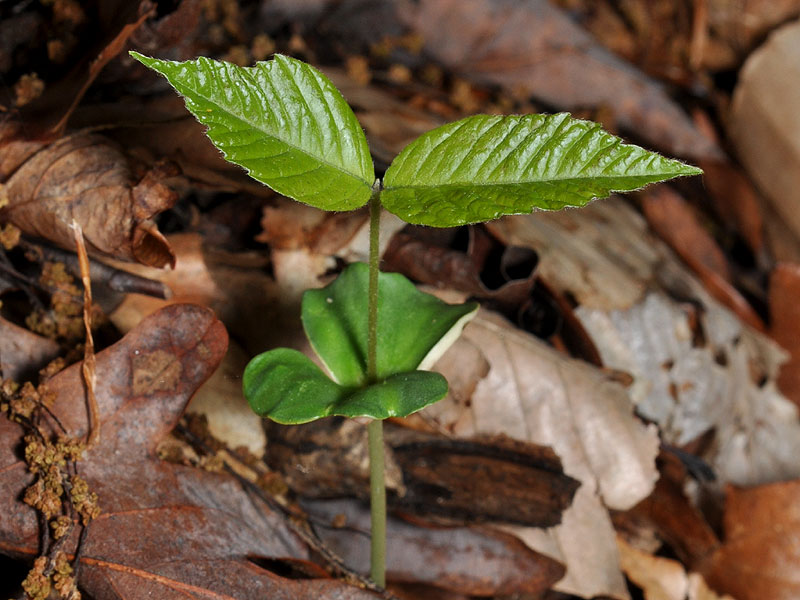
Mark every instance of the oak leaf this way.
pixel 166 530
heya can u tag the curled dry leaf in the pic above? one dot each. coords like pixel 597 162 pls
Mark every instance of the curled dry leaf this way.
pixel 86 177
pixel 696 366
pixel 533 393
pixel 533 47
pixel 762 544
pixel 166 530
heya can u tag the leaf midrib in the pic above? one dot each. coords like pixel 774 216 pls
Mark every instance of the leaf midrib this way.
pixel 548 181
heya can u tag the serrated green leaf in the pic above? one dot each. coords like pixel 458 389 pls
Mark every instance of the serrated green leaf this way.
pixel 285 386
pixel 484 167
pixel 283 121
pixel 414 328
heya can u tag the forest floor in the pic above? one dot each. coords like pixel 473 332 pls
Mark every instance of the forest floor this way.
pixel 622 420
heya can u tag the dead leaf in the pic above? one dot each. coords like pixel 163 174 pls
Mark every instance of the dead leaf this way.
pixel 220 399
pixel 762 544
pixel 474 561
pixel 670 516
pixel 428 256
pixel 659 578
pixel 535 394
pixel 22 352
pixel 696 366
pixel 663 578
pixel 166 531
pixel 677 224
pixel 736 201
pixel 87 178
pixel 784 291
pixel 534 48
pixel 743 25
pixel 763 120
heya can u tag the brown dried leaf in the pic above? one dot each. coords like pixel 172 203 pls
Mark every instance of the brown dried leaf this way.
pixel 534 48
pixel 762 544
pixel 87 178
pixel 763 120
pixel 742 26
pixel 696 366
pixel 677 224
pixel 533 393
pixel 668 514
pixel 663 578
pixel 736 201
pixel 427 256
pixel 166 531
pixel 784 291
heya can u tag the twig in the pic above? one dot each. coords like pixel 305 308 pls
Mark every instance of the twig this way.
pixel 116 279
pixel 89 366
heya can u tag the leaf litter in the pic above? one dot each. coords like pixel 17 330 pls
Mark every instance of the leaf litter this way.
pixel 616 279
pixel 165 529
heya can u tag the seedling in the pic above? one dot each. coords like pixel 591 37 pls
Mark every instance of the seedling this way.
pixel 291 129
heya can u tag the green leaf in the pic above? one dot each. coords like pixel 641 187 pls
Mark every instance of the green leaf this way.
pixel 485 167
pixel 414 328
pixel 287 387
pixel 283 121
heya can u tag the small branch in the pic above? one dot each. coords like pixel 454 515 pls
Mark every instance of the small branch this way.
pixel 116 279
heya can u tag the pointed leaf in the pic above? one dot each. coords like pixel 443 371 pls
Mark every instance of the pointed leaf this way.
pixel 414 328
pixel 485 167
pixel 283 121
pixel 287 387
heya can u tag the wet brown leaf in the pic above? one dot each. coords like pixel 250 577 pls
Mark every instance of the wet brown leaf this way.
pixel 166 531
pixel 534 48
pixel 762 544
pixel 86 177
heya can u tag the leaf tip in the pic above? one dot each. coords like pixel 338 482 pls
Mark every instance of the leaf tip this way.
pixel 145 60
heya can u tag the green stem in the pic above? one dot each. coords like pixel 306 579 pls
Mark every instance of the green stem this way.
pixel 374 259
pixel 377 498
pixel 377 484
